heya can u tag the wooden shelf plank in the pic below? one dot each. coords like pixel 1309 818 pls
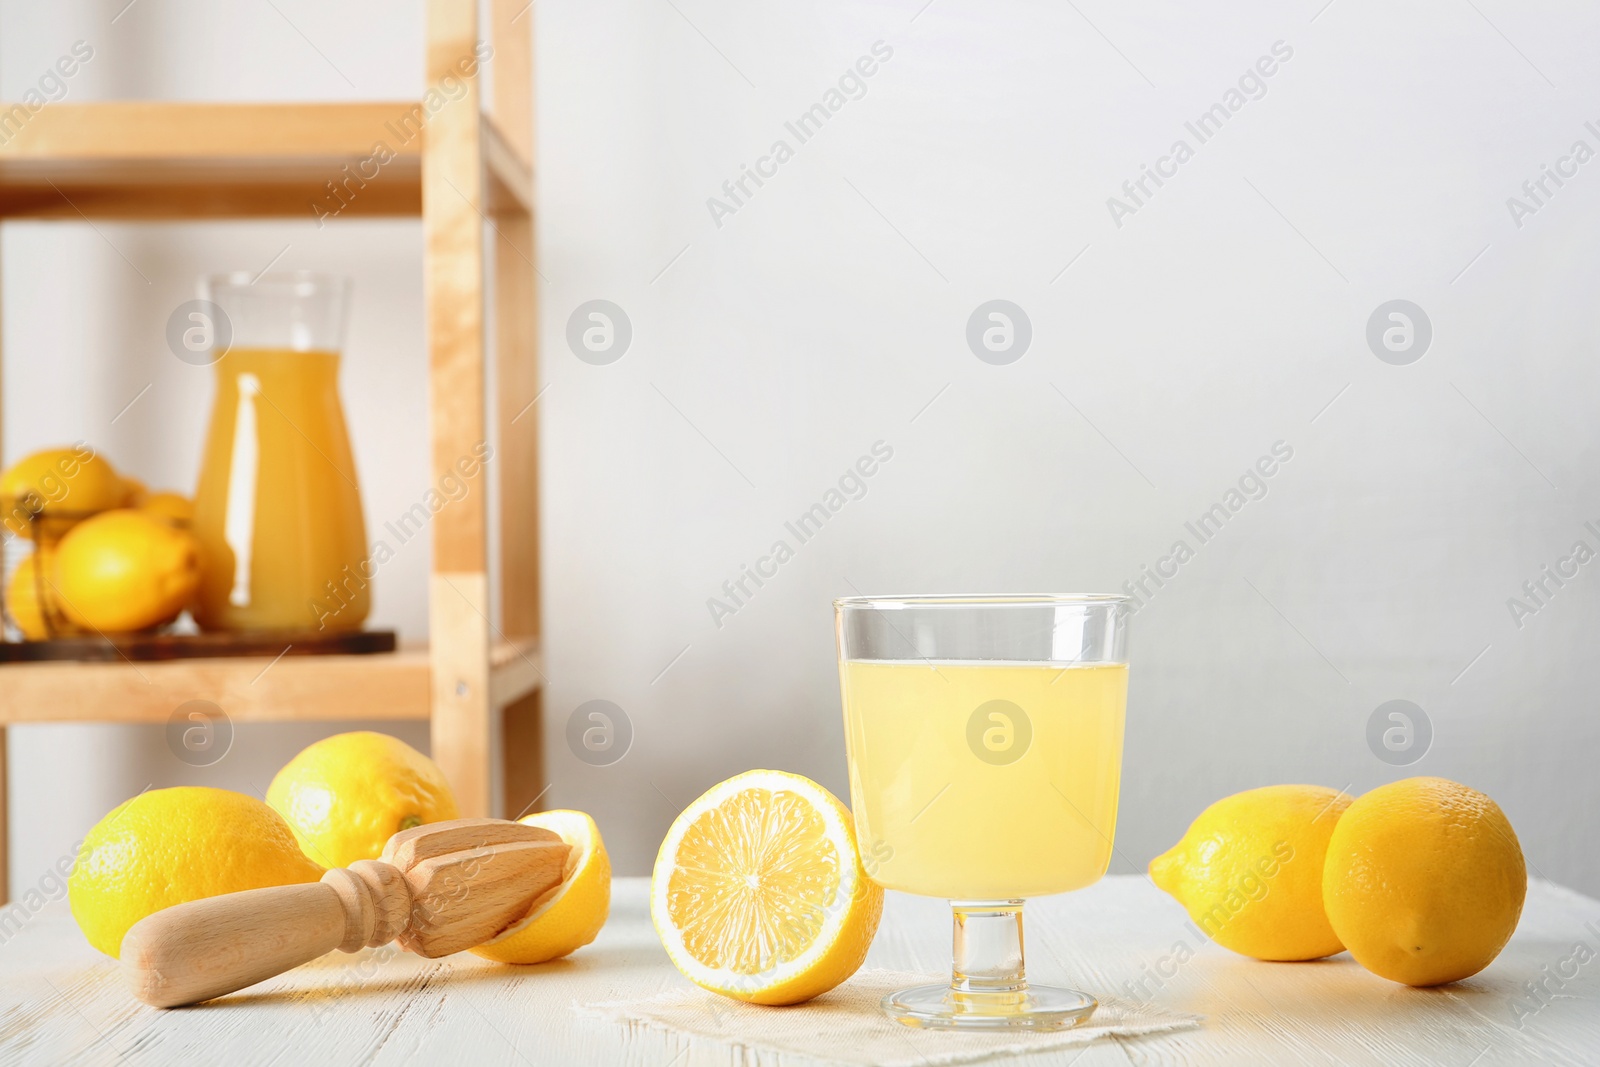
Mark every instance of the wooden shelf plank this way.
pixel 124 159
pixel 122 130
pixel 393 685
pixel 139 160
pixel 515 670
pixel 148 160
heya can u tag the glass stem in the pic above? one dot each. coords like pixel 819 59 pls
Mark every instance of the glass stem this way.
pixel 988 951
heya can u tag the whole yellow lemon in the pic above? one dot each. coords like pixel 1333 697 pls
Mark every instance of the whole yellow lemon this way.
pixel 346 795
pixel 570 917
pixel 174 507
pixel 125 570
pixel 134 492
pixel 55 488
pixel 24 603
pixel 1249 871
pixel 1424 881
pixel 171 846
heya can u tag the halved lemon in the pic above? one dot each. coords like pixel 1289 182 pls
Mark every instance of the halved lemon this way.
pixel 758 892
pixel 570 915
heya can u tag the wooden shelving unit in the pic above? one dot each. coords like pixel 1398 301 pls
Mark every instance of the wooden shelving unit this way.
pixel 467 174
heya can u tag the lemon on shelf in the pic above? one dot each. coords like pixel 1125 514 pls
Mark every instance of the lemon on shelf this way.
pixel 134 492
pixel 124 570
pixel 346 795
pixel 572 914
pixel 1424 881
pixel 171 846
pixel 1249 871
pixel 38 618
pixel 174 507
pixel 54 488
pixel 758 892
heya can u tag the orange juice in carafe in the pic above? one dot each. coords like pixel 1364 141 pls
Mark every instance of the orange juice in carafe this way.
pixel 278 508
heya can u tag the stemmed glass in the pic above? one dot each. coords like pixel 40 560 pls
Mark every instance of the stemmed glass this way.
pixel 984 737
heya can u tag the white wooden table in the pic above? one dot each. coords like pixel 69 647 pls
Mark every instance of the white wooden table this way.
pixel 62 1003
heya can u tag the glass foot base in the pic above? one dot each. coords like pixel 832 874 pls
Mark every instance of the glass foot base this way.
pixel 938 1007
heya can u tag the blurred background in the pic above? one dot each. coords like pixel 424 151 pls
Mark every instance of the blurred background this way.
pixel 1158 340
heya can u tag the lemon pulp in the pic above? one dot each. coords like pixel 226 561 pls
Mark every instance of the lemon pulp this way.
pixel 754 878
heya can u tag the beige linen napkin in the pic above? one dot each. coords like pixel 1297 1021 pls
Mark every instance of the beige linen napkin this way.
pixel 847 1027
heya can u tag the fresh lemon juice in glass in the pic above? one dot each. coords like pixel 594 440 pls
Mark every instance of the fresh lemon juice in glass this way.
pixel 984 741
pixel 940 749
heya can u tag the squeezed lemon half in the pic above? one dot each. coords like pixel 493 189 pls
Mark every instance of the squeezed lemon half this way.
pixel 571 915
pixel 758 892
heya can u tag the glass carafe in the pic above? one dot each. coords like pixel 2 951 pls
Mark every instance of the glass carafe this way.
pixel 278 508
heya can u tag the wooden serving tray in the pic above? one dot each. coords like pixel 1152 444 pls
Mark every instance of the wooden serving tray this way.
pixel 146 647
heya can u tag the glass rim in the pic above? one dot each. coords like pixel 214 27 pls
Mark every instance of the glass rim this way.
pixel 303 281
pixel 979 600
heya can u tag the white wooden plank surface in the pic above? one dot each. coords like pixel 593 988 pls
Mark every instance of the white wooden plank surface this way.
pixel 62 1003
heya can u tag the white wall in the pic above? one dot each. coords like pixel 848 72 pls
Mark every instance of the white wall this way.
pixel 825 314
